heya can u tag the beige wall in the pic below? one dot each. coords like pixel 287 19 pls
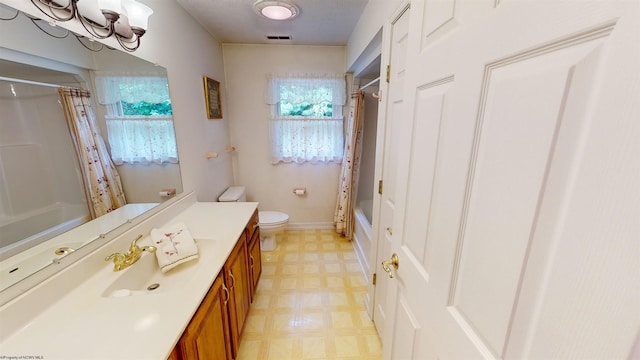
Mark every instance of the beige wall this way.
pixel 177 42
pixel 247 68
pixel 374 16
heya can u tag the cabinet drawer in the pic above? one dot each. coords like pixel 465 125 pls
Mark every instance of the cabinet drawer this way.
pixel 253 224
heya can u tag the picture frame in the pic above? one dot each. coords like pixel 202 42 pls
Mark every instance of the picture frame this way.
pixel 212 98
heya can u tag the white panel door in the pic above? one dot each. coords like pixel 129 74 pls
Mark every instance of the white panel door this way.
pixel 397 63
pixel 517 218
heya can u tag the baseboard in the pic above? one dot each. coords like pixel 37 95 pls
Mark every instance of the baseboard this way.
pixel 310 226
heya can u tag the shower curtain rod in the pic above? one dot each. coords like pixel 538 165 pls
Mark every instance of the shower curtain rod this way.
pixel 370 83
pixel 29 82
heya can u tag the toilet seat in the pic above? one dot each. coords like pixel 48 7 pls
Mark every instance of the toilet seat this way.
pixel 272 218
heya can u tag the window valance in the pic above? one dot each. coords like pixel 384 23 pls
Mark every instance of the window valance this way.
pixel 131 89
pixel 314 89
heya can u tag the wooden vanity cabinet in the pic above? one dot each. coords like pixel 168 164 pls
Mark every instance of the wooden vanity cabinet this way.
pixel 253 225
pixel 208 335
pixel 255 261
pixel 215 329
pixel 236 272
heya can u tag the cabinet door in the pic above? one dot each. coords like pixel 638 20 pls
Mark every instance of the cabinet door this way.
pixel 207 336
pixel 255 262
pixel 175 354
pixel 237 281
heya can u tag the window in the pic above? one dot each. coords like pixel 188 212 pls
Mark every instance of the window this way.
pixel 306 118
pixel 139 118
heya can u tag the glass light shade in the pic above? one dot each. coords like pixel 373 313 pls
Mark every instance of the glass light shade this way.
pixel 276 9
pixel 277 12
pixel 91 10
pixel 137 13
pixel 111 5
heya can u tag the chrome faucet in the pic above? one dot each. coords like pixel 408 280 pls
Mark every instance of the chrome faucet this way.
pixel 123 261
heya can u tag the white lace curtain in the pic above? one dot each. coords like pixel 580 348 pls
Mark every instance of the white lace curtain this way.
pixel 142 140
pixel 305 88
pixel 112 89
pixel 306 138
pixel 137 139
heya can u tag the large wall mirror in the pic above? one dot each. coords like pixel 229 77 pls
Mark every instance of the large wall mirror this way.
pixel 44 211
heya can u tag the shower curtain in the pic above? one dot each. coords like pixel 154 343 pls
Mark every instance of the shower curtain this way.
pixel 101 179
pixel 343 217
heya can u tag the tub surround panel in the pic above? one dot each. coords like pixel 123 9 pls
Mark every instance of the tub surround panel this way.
pixel 21 233
pixel 123 325
pixel 367 184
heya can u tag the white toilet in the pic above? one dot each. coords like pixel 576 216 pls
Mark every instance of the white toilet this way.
pixel 271 222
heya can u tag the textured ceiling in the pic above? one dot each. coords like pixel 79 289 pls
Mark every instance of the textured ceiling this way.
pixel 321 22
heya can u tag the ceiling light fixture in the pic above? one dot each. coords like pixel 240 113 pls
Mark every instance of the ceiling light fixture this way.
pixel 276 9
pixel 126 20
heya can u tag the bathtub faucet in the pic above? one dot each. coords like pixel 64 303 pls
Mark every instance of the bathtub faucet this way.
pixel 123 261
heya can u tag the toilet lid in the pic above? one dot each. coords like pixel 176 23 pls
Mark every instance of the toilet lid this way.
pixel 272 217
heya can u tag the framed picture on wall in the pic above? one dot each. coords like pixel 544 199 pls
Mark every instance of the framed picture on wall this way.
pixel 212 98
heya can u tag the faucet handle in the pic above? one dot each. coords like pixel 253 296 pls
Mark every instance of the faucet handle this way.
pixel 134 242
pixel 114 256
pixel 134 248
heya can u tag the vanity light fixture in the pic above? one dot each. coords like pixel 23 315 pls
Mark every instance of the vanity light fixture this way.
pixel 126 20
pixel 277 9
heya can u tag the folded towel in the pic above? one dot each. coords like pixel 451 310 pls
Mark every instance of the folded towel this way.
pixel 175 246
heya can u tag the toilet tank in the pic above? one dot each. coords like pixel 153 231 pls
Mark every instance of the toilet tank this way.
pixel 233 194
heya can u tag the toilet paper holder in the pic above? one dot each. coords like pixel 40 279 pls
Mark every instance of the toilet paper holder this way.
pixel 299 191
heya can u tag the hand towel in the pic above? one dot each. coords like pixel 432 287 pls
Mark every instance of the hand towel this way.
pixel 175 246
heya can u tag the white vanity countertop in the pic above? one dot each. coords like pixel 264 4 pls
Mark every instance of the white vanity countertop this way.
pixel 83 324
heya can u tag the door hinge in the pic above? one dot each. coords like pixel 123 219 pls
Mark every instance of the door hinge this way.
pixel 380 187
pixel 374 278
pixel 388 72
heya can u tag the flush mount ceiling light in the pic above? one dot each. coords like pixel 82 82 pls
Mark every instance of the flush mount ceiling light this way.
pixel 276 9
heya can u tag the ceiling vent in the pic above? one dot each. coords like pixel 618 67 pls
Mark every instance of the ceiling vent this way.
pixel 279 37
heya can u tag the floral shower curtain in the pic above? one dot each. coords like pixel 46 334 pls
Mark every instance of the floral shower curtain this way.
pixel 101 179
pixel 343 216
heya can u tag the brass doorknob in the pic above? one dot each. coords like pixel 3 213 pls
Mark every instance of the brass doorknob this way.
pixel 386 265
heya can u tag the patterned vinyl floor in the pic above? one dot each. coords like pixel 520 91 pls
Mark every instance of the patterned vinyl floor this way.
pixel 309 303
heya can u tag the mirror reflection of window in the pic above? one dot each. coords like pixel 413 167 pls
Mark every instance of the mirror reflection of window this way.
pixel 139 119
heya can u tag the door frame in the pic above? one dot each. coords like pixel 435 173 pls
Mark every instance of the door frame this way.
pixel 377 230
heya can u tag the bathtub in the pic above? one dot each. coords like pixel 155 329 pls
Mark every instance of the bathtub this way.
pixel 25 231
pixel 363 244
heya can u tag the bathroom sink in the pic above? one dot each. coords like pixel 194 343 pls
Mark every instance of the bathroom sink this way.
pixel 145 277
